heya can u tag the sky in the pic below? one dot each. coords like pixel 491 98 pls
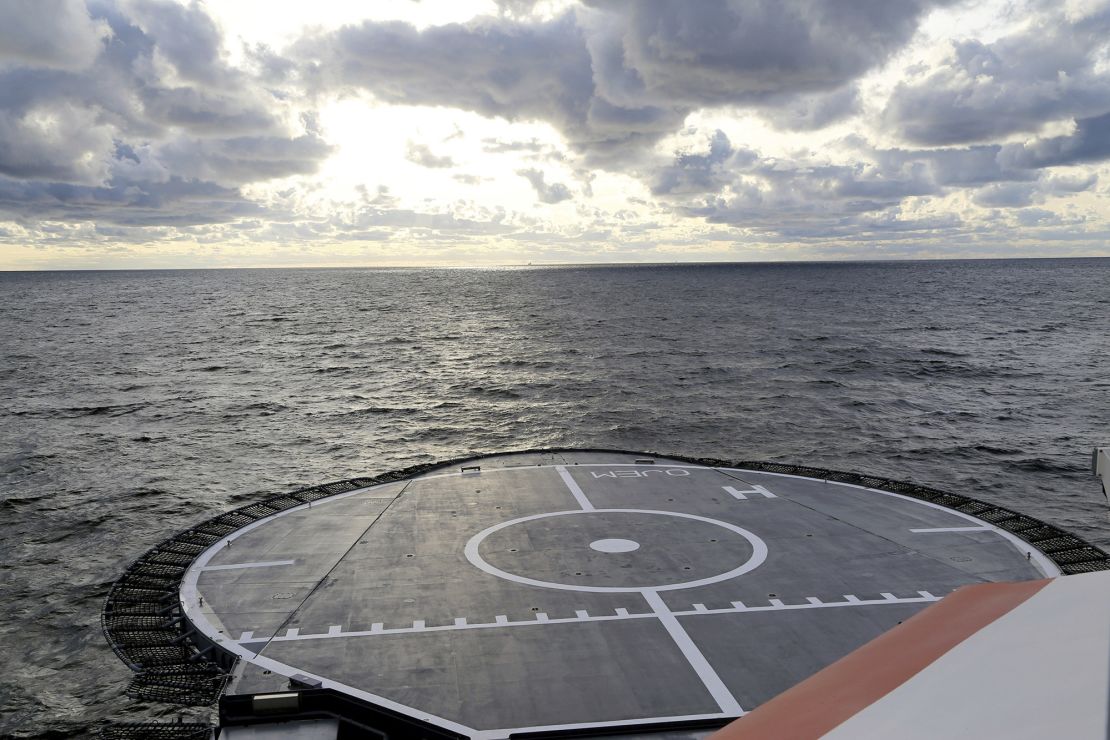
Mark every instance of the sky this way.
pixel 167 133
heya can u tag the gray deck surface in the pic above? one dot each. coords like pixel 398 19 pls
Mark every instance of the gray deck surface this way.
pixel 539 625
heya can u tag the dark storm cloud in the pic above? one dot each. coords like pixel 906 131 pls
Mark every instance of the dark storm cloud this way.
pixel 133 107
pixel 616 76
pixel 1053 70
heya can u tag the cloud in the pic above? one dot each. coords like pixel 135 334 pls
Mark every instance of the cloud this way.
pixel 174 202
pixel 134 105
pixel 813 112
pixel 56 34
pixel 615 77
pixel 1006 195
pixel 719 52
pixel 120 118
pixel 1090 142
pixel 699 173
pixel 185 36
pixel 1053 69
pixel 555 192
pixel 57 141
pixel 420 154
pixel 243 159
pixel 497 146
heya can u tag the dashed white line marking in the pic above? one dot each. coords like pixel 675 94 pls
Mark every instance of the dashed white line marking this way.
pixel 235 566
pixel 575 490
pixel 812 602
pixel 581 615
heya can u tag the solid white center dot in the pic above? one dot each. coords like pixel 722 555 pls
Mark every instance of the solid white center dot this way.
pixel 614 545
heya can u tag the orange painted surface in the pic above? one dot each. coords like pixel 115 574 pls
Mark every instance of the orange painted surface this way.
pixel 836 693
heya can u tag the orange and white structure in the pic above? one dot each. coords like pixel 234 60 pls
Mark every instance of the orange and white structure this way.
pixel 1029 659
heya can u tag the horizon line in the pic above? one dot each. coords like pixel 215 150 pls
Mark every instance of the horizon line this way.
pixel 544 265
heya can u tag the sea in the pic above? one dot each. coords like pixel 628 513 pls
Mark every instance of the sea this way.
pixel 134 404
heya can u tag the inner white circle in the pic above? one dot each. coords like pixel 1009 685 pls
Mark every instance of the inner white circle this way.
pixel 614 545
pixel 759 553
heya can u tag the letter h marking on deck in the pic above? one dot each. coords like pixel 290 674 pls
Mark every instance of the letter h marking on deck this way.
pixel 743 495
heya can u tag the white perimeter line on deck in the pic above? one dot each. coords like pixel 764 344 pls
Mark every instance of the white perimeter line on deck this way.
pixel 575 490
pixel 951 529
pixel 265 564
pixel 724 698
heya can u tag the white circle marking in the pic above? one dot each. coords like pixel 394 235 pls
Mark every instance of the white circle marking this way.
pixel 759 553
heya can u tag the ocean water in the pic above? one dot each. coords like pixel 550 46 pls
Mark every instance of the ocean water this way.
pixel 133 404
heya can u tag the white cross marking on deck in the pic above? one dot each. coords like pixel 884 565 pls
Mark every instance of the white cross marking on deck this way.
pixel 713 683
pixel 740 495
pixel 575 490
